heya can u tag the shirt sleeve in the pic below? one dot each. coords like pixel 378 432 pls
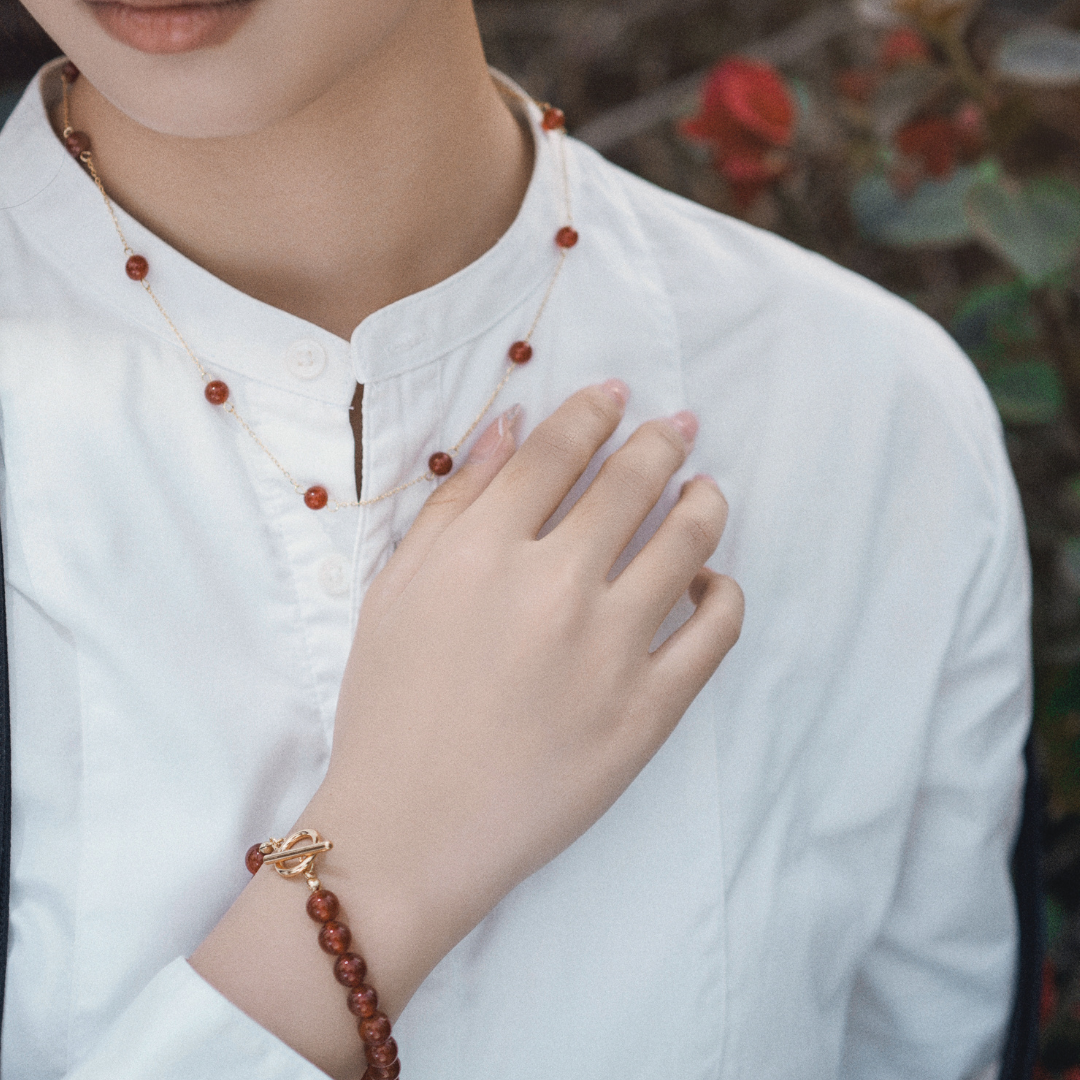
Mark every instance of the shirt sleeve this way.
pixel 933 994
pixel 179 1028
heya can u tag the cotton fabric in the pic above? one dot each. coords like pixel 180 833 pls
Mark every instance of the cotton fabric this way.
pixel 809 880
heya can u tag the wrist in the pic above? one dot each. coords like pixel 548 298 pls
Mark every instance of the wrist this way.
pixel 265 956
pixel 398 924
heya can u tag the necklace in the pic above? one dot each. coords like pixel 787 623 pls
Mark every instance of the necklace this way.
pixel 216 391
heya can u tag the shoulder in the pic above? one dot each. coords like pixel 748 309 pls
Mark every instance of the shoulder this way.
pixel 826 345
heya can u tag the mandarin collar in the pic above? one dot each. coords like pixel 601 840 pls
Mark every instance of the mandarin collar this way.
pixel 60 211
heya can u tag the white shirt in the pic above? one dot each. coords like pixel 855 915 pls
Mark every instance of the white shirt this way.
pixel 809 879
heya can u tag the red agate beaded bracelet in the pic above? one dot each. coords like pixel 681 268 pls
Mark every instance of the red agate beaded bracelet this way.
pixel 293 857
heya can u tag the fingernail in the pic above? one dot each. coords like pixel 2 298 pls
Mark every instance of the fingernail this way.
pixel 508 422
pixel 617 389
pixel 708 479
pixel 494 434
pixel 686 424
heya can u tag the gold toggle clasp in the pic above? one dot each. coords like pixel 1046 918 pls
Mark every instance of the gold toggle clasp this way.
pixel 291 858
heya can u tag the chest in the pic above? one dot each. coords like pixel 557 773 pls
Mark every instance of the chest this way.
pixel 209 614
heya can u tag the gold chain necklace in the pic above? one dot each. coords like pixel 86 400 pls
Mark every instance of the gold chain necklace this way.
pixel 217 392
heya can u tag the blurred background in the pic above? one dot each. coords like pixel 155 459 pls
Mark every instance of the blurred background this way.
pixel 931 145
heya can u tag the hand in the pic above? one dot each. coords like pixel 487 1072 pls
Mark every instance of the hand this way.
pixel 499 697
pixel 500 694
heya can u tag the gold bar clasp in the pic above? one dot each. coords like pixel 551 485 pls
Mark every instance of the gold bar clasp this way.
pixel 296 854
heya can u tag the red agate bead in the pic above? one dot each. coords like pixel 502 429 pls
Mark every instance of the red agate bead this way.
pixel 69 72
pixel 363 1001
pixel 350 969
pixel 553 119
pixel 381 1053
pixel 375 1029
pixel 137 267
pixel 323 906
pixel 253 859
pixel 77 142
pixel 566 237
pixel 383 1072
pixel 315 498
pixel 217 392
pixel 520 352
pixel 334 938
pixel 440 463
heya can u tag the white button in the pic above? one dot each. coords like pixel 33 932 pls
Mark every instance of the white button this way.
pixel 306 359
pixel 334 575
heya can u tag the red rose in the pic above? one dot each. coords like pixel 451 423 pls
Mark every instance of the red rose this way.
pixel 748 175
pixel 935 142
pixel 744 98
pixel 747 117
pixel 903 46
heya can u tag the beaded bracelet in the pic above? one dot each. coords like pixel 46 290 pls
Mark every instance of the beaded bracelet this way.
pixel 295 856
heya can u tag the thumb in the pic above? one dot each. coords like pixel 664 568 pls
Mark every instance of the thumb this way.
pixel 449 500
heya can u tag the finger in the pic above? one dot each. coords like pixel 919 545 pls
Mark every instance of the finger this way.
pixel 549 462
pixel 451 498
pixel 627 487
pixel 688 659
pixel 665 567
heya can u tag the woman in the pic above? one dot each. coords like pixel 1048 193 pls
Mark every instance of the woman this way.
pixel 560 843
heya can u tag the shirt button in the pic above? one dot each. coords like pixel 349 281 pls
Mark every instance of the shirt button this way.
pixel 334 575
pixel 305 359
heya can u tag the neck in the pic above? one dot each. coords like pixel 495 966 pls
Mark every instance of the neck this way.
pixel 406 171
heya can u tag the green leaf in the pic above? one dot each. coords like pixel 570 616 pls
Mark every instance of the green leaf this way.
pixel 1041 55
pixel 993 318
pixel 1035 228
pixel 1026 393
pixel 932 217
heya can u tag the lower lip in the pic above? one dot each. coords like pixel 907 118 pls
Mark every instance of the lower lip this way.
pixel 175 29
